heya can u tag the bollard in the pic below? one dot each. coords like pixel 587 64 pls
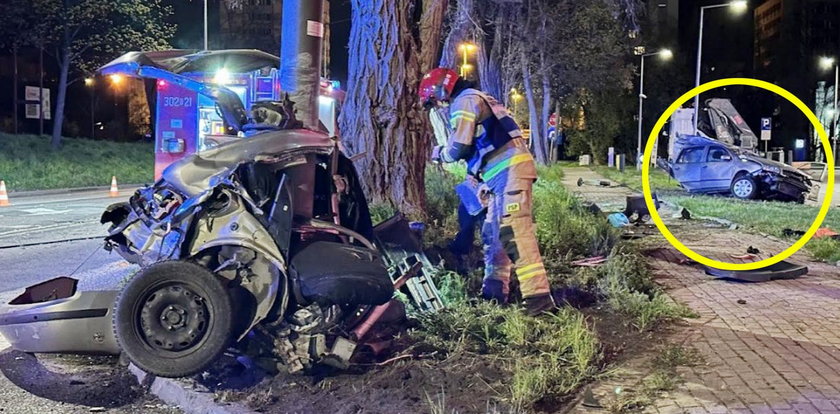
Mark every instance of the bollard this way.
pixel 611 157
pixel 620 162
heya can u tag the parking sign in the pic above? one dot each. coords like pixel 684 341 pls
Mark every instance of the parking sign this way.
pixel 766 128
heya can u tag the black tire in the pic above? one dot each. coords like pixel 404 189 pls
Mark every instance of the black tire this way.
pixel 174 319
pixel 744 187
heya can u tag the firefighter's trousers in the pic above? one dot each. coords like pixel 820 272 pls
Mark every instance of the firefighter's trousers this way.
pixel 509 236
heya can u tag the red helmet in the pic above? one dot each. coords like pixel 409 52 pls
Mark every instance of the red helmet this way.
pixel 437 85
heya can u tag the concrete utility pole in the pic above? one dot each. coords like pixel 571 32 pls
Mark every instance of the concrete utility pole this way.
pixel 300 56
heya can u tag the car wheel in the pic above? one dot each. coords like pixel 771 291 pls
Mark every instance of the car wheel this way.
pixel 173 319
pixel 743 187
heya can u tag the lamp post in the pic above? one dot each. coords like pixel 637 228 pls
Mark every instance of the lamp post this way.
pixel 827 63
pixel 90 84
pixel 466 49
pixel 205 26
pixel 665 54
pixel 736 6
pixel 515 96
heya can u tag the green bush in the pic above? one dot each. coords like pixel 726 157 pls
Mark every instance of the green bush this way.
pixel 27 162
pixel 564 227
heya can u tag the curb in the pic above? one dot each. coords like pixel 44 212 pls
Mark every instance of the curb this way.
pixel 191 401
pixel 36 193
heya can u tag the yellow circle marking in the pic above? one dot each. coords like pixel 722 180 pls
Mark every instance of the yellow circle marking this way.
pixel 646 174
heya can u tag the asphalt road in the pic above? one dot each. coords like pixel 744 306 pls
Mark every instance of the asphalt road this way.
pixel 32 250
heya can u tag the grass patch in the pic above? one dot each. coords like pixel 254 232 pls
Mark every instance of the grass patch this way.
pixel 659 180
pixel 27 162
pixel 546 357
pixel 627 286
pixel 770 217
pixel 565 229
pixel 663 377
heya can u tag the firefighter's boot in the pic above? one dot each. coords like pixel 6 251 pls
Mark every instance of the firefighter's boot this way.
pixel 539 304
pixel 494 290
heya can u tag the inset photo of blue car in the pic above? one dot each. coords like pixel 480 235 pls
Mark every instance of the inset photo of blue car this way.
pixel 708 166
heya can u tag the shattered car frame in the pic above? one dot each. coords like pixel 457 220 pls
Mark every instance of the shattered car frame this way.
pixel 265 242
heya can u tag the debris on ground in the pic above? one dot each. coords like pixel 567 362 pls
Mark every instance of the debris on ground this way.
pixel 590 261
pixel 618 220
pixel 781 270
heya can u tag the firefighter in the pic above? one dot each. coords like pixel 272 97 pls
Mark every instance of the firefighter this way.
pixel 483 134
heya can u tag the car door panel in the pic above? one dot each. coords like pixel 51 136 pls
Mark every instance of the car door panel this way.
pixel 687 169
pixel 718 169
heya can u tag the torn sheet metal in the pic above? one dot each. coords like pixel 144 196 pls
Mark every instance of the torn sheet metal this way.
pixel 781 270
pixel 54 316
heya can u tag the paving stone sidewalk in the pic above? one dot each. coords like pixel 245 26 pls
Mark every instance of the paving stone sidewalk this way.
pixel 766 347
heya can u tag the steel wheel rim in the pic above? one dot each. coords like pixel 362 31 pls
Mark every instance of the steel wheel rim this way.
pixel 172 319
pixel 742 188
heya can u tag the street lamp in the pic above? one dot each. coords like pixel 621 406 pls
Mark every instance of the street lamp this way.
pixel 89 82
pixel 466 49
pixel 738 6
pixel 664 54
pixel 515 96
pixel 826 63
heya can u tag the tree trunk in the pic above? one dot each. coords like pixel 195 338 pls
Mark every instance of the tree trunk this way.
pixel 489 63
pixel 541 145
pixel 533 109
pixel 430 31
pixel 58 116
pixel 15 85
pixel 383 124
pixel 459 31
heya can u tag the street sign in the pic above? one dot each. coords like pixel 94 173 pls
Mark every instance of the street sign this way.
pixel 33 102
pixel 766 128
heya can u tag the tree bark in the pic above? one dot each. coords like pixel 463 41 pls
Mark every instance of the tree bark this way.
pixel 58 116
pixel 383 125
pixel 15 85
pixel 459 31
pixel 541 144
pixel 489 62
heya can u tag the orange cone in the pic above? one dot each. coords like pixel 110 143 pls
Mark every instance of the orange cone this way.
pixel 4 196
pixel 115 192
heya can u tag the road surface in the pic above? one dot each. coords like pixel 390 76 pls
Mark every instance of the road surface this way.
pixel 32 249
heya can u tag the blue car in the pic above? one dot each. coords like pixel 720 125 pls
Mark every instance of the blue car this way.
pixel 708 166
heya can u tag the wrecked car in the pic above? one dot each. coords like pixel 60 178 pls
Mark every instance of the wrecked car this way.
pixel 264 243
pixel 704 165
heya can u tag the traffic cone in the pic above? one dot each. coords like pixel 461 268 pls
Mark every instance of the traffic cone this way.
pixel 115 192
pixel 4 196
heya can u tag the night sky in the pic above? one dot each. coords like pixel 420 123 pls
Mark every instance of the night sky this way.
pixel 189 15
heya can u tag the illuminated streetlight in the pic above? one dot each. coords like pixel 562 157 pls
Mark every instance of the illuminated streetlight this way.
pixel 466 49
pixel 88 81
pixel 664 54
pixel 116 79
pixel 826 62
pixel 515 96
pixel 738 6
pixel 222 76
